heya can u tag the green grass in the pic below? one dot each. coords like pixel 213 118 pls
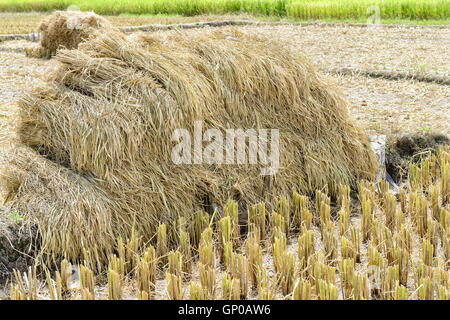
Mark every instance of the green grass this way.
pixel 302 9
pixel 397 21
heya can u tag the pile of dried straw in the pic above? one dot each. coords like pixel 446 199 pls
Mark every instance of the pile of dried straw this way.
pixel 66 29
pixel 95 137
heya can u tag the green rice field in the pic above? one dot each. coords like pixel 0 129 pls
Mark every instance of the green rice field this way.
pixel 301 9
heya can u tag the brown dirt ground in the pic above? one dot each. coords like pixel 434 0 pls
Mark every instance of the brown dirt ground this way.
pixel 378 105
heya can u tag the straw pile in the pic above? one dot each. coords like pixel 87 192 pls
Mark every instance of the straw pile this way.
pixel 66 29
pixel 95 154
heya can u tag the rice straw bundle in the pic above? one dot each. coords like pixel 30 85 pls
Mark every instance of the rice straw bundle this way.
pixel 97 134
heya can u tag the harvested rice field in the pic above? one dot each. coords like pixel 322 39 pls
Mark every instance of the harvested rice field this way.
pixel 27 22
pixel 89 191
